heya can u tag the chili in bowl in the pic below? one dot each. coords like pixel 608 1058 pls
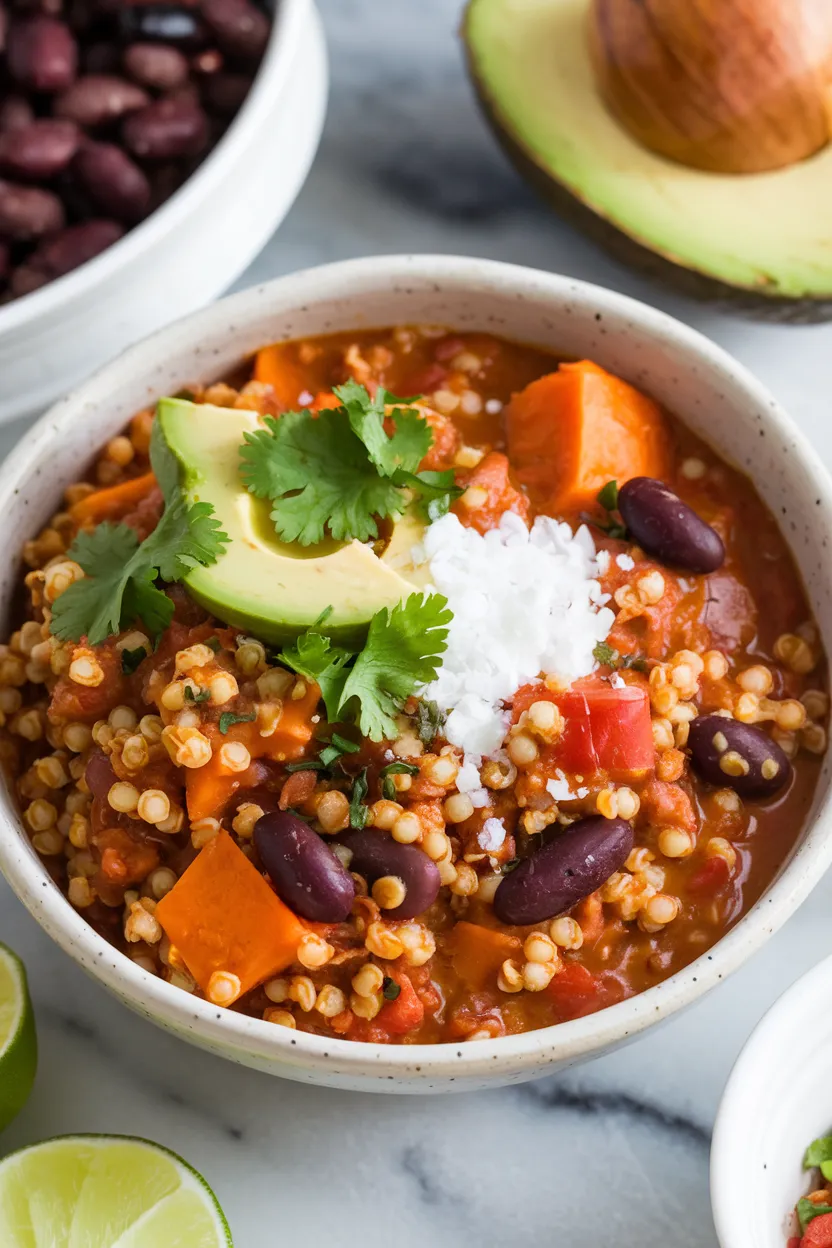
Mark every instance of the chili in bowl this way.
pixel 398 724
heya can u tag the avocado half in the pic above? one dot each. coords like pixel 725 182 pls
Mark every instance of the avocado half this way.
pixel 759 242
pixel 272 589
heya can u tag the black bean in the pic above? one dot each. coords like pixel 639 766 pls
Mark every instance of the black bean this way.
pixel 560 874
pixel 306 874
pixel 376 854
pixel 163 23
pixel 667 528
pixel 737 756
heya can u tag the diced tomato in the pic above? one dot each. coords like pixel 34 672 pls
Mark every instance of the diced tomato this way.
pixel 668 805
pixel 818 1233
pixel 711 877
pixel 606 729
pixel 575 991
pixel 405 1013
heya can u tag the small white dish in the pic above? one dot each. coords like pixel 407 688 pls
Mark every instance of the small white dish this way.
pixel 714 394
pixel 778 1099
pixel 193 247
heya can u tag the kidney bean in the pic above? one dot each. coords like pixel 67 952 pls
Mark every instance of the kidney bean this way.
pixel 720 747
pixel 166 129
pixel 74 246
pixel 225 93
pixel 241 29
pixel 306 874
pixel 156 66
pixel 41 53
pixel 667 528
pixel 163 23
pixel 98 98
pixel 25 280
pixel 5 261
pixel 27 212
pixel 564 871
pixel 15 112
pixel 4 26
pixel 40 150
pixel 114 181
pixel 376 854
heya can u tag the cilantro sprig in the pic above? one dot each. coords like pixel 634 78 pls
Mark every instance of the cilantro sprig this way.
pixel 119 585
pixel 607 496
pixel 338 471
pixel 402 651
pixel 608 656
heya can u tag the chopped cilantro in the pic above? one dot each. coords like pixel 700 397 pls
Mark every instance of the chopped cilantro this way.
pixel 390 989
pixel 608 496
pixel 337 748
pixel 402 651
pixel 228 719
pixel 359 814
pixel 388 788
pixel 608 656
pixel 131 660
pixel 807 1210
pixel 339 471
pixel 214 643
pixel 307 764
pixel 119 586
pixel 429 720
pixel 315 657
pixel 201 696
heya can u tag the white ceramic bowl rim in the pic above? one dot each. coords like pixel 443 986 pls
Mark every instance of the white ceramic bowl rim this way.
pixel 266 87
pixel 225 1028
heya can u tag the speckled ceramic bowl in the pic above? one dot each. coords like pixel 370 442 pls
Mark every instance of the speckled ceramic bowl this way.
pixel 718 399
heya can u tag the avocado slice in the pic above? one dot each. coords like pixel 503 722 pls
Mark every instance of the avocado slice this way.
pixel 272 589
pixel 762 242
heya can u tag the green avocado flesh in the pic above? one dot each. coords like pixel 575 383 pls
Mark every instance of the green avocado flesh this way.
pixel 770 233
pixel 269 588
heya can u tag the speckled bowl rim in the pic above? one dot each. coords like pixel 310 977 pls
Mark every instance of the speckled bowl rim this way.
pixel 266 89
pixel 508 1059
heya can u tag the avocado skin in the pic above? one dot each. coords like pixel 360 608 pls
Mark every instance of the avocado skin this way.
pixel 774 308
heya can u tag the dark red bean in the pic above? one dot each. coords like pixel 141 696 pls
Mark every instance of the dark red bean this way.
pixel 40 150
pixel 225 93
pixel 667 528
pixel 306 874
pixel 100 98
pixel 166 129
pixel 99 774
pixel 25 280
pixel 719 747
pixel 41 53
pixel 560 874
pixel 4 26
pixel 27 212
pixel 115 182
pixel 241 29
pixel 5 261
pixel 376 854
pixel 163 23
pixel 100 58
pixel 74 246
pixel 156 66
pixel 15 112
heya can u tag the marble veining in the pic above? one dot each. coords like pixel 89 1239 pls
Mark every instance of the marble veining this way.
pixel 614 1152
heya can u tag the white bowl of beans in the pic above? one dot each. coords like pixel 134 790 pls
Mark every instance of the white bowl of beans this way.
pixel 141 170
pixel 662 919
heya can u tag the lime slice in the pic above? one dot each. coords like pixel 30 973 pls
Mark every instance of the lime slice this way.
pixel 18 1044
pixel 106 1191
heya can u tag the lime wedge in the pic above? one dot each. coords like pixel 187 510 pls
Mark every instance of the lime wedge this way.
pixel 106 1191
pixel 18 1044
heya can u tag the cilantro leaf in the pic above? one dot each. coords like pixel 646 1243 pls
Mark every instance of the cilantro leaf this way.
pixel 605 654
pixel 307 764
pixel 388 788
pixel 435 491
pixel 608 496
pixel 429 720
pixel 131 660
pixel 402 651
pixel 337 748
pixel 412 437
pixel 317 475
pixel 228 719
pixel 359 814
pixel 807 1210
pixel 118 587
pixel 312 655
pixel 201 696
pixel 390 989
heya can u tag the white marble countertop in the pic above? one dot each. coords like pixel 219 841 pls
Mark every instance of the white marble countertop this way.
pixel 614 1152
